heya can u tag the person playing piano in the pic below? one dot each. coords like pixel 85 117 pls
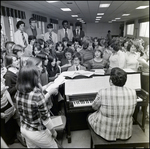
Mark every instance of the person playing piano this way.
pixel 114 107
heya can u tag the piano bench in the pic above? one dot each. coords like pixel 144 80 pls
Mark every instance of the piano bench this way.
pixel 138 139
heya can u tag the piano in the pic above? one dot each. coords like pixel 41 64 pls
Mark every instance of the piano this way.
pixel 80 94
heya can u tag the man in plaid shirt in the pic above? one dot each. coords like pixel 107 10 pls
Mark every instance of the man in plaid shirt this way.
pixel 115 106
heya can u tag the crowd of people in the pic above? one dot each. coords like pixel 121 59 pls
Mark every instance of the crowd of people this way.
pixel 33 60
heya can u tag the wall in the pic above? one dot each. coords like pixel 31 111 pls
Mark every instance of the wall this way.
pixel 101 29
pixel 136 31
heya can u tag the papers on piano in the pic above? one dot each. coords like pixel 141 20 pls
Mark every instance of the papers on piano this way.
pixel 139 99
pixel 129 70
pixel 73 74
pixel 57 82
pixel 99 71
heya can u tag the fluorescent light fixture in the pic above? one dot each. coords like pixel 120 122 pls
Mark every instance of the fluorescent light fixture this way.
pixel 74 15
pixel 142 7
pixel 65 9
pixel 52 1
pixel 104 5
pixel 96 21
pixel 109 21
pixel 79 19
pixel 125 14
pixel 100 13
pixel 117 18
pixel 98 17
pixel 113 20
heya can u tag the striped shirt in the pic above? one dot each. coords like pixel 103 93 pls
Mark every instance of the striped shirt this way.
pixel 113 119
pixel 32 110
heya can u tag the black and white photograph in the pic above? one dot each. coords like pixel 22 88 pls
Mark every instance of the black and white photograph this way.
pixel 74 74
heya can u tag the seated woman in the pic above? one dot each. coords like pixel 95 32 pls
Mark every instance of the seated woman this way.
pixel 67 61
pixel 76 63
pixel 53 69
pixel 131 57
pixel 96 43
pixel 97 62
pixel 114 107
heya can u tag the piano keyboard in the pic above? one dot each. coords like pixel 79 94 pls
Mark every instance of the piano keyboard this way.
pixel 85 103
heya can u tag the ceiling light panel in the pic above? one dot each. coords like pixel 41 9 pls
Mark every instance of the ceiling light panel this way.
pixel 142 7
pixel 65 9
pixel 117 18
pixel 98 17
pixel 104 5
pixel 52 1
pixel 100 13
pixel 125 14
pixel 74 15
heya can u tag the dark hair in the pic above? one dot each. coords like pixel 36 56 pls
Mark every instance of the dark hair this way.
pixel 28 79
pixel 109 31
pixel 58 43
pixel 33 61
pixel 17 48
pixel 38 46
pixel 48 42
pixel 77 55
pixel 98 40
pixel 41 41
pixel 85 44
pixel 19 23
pixel 68 50
pixel 69 43
pixel 65 39
pixel 31 37
pixel 31 19
pixel 118 76
pixel 9 60
pixel 49 26
pixel 129 46
pixel 78 24
pixel 64 21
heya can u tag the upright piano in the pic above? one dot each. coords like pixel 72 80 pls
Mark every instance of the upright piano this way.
pixel 81 92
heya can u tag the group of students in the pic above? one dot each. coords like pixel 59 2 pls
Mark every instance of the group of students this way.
pixel 28 68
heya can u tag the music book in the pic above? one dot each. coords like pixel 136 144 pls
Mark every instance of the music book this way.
pixel 57 121
pixel 73 74
pixel 10 113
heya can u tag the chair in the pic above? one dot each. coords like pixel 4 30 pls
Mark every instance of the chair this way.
pixel 138 139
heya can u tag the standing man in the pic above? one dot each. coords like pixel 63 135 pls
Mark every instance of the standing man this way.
pixel 78 33
pixel 109 37
pixel 65 32
pixel 33 30
pixel 20 37
pixel 50 35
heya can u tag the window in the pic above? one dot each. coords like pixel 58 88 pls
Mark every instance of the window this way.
pixel 3 26
pixel 130 29
pixel 43 27
pixel 11 25
pixel 18 19
pixel 39 24
pixel 144 29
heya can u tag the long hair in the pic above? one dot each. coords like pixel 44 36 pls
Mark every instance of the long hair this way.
pixel 28 79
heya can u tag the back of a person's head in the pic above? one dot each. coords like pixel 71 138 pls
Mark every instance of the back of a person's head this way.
pixel 42 56
pixel 69 43
pixel 33 61
pixel 28 79
pixel 78 24
pixel 65 39
pixel 118 76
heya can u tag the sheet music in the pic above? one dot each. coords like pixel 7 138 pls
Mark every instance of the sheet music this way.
pixel 57 121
